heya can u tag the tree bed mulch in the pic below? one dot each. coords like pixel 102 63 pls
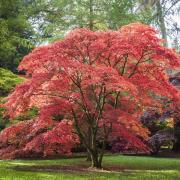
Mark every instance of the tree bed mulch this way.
pixel 72 169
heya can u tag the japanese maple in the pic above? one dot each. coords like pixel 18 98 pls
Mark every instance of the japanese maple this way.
pixel 101 82
pixel 28 139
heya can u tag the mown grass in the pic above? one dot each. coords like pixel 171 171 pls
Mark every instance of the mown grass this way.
pixel 129 167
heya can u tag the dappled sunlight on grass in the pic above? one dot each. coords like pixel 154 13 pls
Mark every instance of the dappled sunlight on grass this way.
pixel 122 167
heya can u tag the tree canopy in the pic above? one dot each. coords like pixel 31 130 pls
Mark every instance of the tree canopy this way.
pixel 99 83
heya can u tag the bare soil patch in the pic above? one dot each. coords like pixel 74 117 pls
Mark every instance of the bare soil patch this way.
pixel 72 169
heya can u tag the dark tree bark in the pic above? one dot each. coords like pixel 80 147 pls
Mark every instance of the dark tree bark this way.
pixel 161 22
pixel 91 24
pixel 176 146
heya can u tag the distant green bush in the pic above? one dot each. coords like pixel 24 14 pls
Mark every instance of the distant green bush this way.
pixel 29 114
pixel 8 81
pixel 3 121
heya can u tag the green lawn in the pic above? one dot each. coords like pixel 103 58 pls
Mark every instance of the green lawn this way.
pixel 132 167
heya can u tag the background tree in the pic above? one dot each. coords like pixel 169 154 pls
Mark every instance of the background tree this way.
pixel 16 32
pixel 161 126
pixel 59 17
pixel 164 15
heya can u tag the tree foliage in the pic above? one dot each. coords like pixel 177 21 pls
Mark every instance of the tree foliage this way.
pixel 8 81
pixel 161 126
pixel 99 82
pixel 30 139
pixel 58 17
pixel 164 15
pixel 16 32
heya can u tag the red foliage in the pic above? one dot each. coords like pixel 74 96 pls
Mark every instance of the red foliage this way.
pixel 98 80
pixel 28 139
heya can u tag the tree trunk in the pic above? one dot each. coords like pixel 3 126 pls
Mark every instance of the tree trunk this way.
pixel 90 142
pixel 176 146
pixel 89 137
pixel 88 156
pixel 91 15
pixel 96 159
pixel 95 163
pixel 161 22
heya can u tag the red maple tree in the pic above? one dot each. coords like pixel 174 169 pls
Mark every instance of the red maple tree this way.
pixel 101 82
